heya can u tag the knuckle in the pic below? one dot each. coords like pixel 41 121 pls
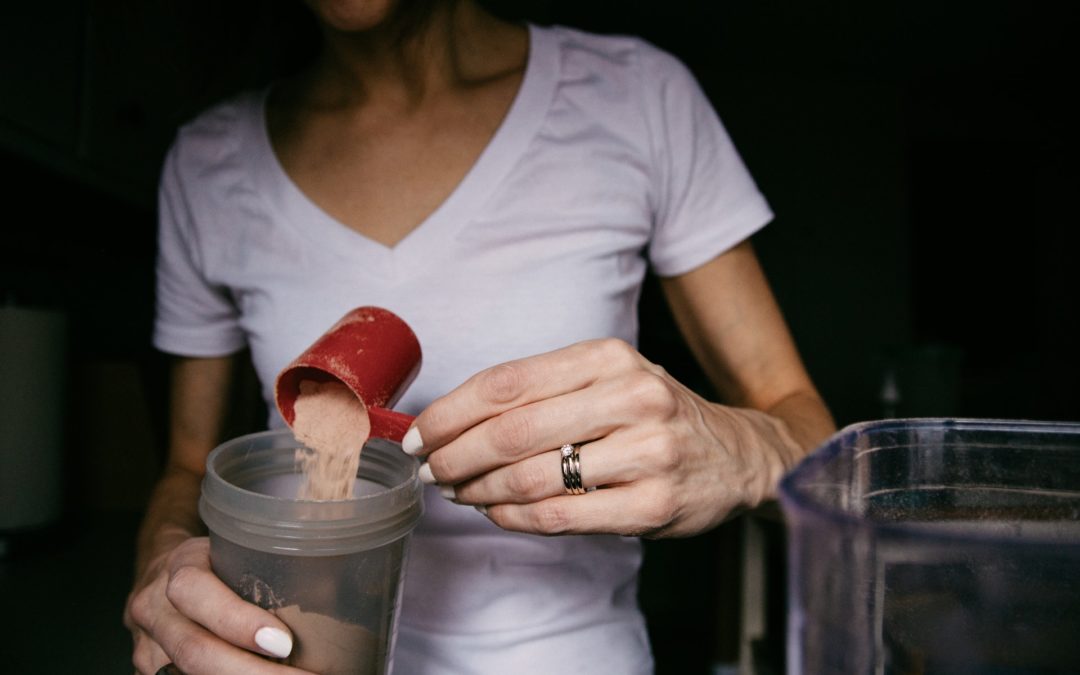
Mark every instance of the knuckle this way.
pixel 550 517
pixel 617 353
pixel 512 432
pixel 503 383
pixel 139 608
pixel 652 393
pixel 526 481
pixel 140 659
pixel 179 580
pixel 665 453
pixel 190 652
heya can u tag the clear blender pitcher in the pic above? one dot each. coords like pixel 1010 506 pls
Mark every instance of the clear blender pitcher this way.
pixel 936 546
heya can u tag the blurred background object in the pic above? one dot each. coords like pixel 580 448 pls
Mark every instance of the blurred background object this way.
pixel 33 379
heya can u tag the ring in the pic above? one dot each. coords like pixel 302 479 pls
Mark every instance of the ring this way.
pixel 571 469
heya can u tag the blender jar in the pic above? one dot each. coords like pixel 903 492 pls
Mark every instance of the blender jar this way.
pixel 936 546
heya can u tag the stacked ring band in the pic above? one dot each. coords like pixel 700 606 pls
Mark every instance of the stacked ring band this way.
pixel 571 469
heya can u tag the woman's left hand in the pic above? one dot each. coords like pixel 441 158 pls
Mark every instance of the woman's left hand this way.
pixel 664 461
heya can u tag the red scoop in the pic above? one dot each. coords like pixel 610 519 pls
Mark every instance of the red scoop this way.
pixel 374 353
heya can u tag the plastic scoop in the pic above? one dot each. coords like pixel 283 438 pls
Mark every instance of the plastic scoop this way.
pixel 374 353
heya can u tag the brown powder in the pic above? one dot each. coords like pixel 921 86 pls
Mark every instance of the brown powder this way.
pixel 329 646
pixel 334 425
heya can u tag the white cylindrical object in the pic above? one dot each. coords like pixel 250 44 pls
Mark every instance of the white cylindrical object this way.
pixel 33 351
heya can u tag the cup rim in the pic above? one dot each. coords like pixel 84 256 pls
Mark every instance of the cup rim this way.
pixel 799 504
pixel 308 526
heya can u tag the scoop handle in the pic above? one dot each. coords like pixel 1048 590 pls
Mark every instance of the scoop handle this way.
pixel 389 424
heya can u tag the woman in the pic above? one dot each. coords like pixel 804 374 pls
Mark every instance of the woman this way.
pixel 502 188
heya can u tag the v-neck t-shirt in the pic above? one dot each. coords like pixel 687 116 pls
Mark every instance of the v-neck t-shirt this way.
pixel 610 159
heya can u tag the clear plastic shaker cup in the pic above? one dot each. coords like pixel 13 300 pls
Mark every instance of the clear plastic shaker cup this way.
pixel 331 570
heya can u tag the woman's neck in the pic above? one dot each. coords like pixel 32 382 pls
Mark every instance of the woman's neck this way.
pixel 406 59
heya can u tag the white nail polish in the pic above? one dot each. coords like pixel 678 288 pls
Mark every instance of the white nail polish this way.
pixel 274 641
pixel 425 474
pixel 447 491
pixel 411 443
pixel 481 508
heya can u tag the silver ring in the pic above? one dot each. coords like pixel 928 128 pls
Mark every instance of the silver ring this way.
pixel 571 469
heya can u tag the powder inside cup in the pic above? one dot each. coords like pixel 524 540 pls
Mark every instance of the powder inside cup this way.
pixel 329 646
pixel 334 425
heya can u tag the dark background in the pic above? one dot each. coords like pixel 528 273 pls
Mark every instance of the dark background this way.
pixel 921 158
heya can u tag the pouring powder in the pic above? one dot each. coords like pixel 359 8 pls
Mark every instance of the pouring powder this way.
pixel 333 425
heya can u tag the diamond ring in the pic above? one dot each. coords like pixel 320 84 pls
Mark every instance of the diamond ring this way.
pixel 571 469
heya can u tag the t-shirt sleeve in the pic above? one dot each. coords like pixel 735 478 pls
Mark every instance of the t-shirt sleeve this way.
pixel 194 317
pixel 706 200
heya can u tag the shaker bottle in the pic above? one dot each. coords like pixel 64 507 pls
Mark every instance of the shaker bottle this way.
pixel 330 570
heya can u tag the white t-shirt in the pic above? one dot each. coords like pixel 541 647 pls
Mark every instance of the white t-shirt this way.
pixel 609 157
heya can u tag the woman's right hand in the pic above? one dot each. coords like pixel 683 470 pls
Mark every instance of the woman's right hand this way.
pixel 181 613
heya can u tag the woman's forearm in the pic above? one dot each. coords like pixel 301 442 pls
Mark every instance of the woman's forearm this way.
pixel 171 518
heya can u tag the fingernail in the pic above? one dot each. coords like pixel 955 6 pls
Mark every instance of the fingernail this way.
pixel 274 641
pixel 411 443
pixel 481 508
pixel 447 491
pixel 425 474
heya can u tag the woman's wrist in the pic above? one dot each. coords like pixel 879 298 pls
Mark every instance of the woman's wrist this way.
pixel 765 448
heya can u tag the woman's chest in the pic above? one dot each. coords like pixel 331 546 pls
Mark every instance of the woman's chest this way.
pixel 546 252
pixel 384 174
